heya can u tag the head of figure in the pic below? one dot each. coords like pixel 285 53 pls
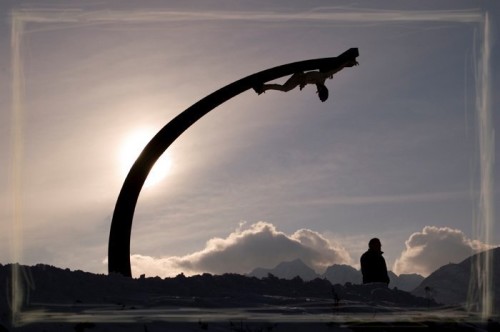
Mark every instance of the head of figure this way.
pixel 375 244
pixel 322 92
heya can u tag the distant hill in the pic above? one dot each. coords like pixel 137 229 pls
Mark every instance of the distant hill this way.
pixel 450 283
pixel 336 274
pixel 287 270
pixel 341 274
pixel 406 282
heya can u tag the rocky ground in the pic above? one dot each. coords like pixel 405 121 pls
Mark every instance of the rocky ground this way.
pixel 55 299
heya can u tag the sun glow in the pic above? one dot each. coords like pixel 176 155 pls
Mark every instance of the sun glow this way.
pixel 132 146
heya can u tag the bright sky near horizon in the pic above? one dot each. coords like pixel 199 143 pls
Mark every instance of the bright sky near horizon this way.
pixel 393 153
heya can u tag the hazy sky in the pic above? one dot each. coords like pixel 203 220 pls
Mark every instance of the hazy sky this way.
pixel 394 152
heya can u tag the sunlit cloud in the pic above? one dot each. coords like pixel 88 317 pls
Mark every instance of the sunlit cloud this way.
pixel 259 245
pixel 434 247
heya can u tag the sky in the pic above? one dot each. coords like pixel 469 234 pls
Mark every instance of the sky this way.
pixel 394 153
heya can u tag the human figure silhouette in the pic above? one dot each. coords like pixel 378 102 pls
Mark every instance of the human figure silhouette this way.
pixel 373 265
pixel 301 79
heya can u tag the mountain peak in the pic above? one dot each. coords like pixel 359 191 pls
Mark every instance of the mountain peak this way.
pixel 450 284
pixel 296 263
pixel 287 270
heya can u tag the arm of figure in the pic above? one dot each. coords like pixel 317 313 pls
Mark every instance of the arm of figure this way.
pixel 330 73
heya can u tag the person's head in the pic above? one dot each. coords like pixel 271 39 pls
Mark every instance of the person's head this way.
pixel 375 244
pixel 322 92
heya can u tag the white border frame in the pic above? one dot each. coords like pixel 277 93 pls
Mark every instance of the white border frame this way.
pixel 20 18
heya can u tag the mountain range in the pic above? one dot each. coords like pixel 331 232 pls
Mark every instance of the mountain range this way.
pixel 336 274
pixel 450 284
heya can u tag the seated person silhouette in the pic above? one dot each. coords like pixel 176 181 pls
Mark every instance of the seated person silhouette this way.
pixel 373 265
pixel 301 79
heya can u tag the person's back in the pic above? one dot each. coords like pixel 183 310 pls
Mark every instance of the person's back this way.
pixel 373 265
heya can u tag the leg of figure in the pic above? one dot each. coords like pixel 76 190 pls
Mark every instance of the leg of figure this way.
pixel 279 87
pixel 291 83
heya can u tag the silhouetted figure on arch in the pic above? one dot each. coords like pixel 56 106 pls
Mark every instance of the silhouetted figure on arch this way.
pixel 373 265
pixel 301 79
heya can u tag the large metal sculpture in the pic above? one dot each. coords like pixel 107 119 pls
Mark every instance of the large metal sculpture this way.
pixel 314 71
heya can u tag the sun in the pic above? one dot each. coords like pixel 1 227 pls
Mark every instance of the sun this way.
pixel 132 146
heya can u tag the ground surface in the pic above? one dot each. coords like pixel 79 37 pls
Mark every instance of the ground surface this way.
pixel 54 299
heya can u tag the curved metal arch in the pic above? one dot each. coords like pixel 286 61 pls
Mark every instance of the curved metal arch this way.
pixel 121 224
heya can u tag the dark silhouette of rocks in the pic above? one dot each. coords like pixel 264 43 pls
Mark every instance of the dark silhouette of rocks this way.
pixel 44 284
pixel 374 294
pixel 50 289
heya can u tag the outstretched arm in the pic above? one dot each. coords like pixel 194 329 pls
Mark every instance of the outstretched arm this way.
pixel 331 72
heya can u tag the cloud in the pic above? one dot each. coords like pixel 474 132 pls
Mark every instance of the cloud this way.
pixel 434 247
pixel 259 245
